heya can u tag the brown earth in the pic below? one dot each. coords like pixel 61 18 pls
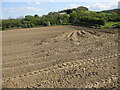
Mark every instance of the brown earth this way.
pixel 60 57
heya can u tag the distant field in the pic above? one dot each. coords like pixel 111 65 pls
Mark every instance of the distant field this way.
pixel 60 57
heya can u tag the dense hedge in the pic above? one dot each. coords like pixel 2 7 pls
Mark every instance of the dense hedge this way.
pixel 79 16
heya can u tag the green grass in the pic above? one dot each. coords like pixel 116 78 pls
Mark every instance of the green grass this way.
pixel 111 25
pixel 108 13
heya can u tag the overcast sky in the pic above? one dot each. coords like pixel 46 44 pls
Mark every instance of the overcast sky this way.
pixel 17 8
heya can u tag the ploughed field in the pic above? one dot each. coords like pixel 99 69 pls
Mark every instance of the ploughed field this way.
pixel 60 57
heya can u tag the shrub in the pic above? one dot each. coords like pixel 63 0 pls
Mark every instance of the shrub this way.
pixel 29 26
pixel 25 26
pixel 93 21
pixel 32 25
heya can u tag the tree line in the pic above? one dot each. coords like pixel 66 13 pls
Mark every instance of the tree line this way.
pixel 76 16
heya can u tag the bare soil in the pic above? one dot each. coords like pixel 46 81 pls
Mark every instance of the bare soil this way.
pixel 60 57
